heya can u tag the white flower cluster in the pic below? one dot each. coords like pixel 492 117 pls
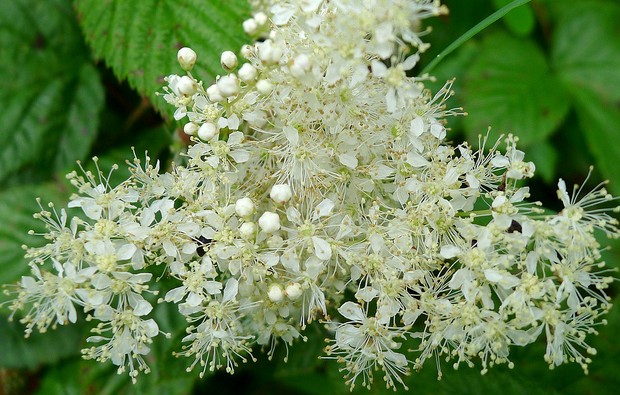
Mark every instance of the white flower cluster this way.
pixel 319 186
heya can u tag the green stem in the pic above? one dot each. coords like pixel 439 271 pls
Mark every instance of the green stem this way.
pixel 473 31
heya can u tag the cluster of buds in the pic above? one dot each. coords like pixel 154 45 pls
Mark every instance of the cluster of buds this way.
pixel 319 187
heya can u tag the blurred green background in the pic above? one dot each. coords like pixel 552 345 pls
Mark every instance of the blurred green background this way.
pixel 78 80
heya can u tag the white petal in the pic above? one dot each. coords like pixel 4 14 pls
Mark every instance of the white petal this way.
pixel 291 134
pixel 230 291
pixel 322 248
pixel 235 138
pixel 352 311
pixel 324 208
pixel 240 156
pixel 349 161
pixel 417 127
pixel 126 252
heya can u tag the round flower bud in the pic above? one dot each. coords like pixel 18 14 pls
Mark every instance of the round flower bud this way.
pixel 208 131
pixel 190 129
pixel 246 51
pixel 247 73
pixel 250 26
pixel 280 193
pixel 269 53
pixel 301 64
pixel 228 85
pixel 260 18
pixel 269 222
pixel 187 58
pixel 186 86
pixel 264 87
pixel 228 60
pixel 244 207
pixel 214 94
pixel 247 230
pixel 275 293
pixel 293 291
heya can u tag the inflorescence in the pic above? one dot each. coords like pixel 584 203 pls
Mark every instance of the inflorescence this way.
pixel 319 186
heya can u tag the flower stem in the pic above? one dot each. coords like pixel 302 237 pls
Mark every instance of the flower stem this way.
pixel 472 32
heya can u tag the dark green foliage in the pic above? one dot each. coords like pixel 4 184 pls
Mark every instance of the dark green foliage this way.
pixel 50 93
pixel 139 39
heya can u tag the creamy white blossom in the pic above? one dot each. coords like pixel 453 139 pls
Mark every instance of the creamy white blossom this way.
pixel 319 186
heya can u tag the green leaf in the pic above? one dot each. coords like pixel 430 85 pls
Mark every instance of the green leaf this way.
pixel 586 47
pixel 50 93
pixel 511 89
pixel 39 348
pixel 600 121
pixel 545 157
pixel 519 21
pixel 139 40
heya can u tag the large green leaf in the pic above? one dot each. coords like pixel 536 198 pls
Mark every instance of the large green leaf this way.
pixel 50 93
pixel 139 39
pixel 586 46
pixel 39 348
pixel 510 88
pixel 586 54
pixel 519 21
pixel 600 121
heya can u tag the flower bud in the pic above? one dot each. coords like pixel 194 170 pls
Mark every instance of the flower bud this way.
pixel 190 129
pixel 275 293
pixel 280 193
pixel 213 92
pixel 301 64
pixel 247 73
pixel 264 87
pixel 228 85
pixel 208 131
pixel 246 51
pixel 293 291
pixel 187 86
pixel 247 230
pixel 250 26
pixel 269 222
pixel 244 207
pixel 260 18
pixel 187 58
pixel 269 53
pixel 228 60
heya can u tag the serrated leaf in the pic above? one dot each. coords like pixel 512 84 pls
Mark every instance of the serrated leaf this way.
pixel 510 88
pixel 50 94
pixel 139 40
pixel 586 47
pixel 600 121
